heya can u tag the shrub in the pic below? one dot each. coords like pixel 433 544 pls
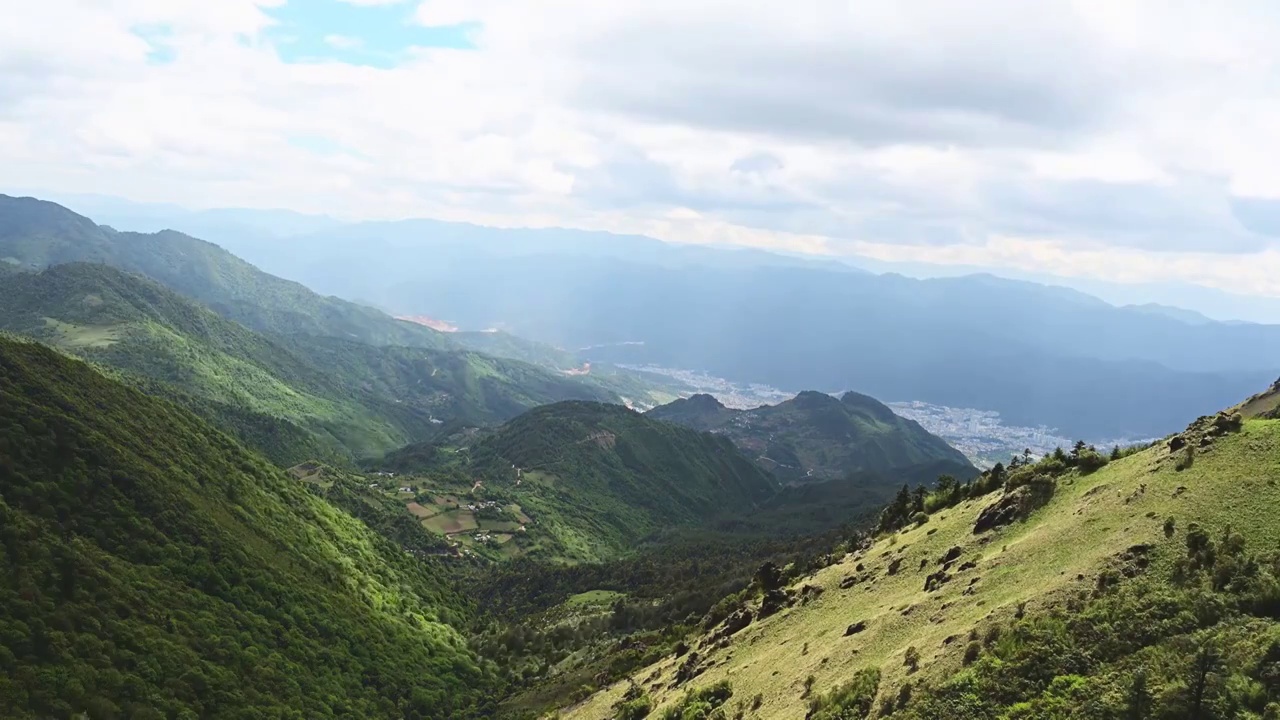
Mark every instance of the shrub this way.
pixel 1090 461
pixel 919 519
pixel 700 704
pixel 1188 459
pixel 634 709
pixel 849 701
pixel 912 659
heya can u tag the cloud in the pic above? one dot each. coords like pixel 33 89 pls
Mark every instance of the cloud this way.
pixel 1131 140
pixel 343 42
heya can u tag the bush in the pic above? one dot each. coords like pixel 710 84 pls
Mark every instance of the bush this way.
pixel 912 659
pixel 850 701
pixel 634 709
pixel 699 704
pixel 1090 461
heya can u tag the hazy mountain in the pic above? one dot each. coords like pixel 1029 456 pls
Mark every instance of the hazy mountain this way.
pixel 815 436
pixel 1189 317
pixel 1038 355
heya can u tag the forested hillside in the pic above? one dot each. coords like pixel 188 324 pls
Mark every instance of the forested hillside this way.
pixel 154 568
pixel 294 397
pixel 597 478
pixel 815 436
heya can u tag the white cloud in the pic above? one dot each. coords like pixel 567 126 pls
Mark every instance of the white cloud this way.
pixel 1090 137
pixel 343 42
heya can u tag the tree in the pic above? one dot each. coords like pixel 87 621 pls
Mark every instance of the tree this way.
pixel 1203 666
pixel 1115 452
pixel 1138 697
pixel 1078 449
pixel 917 498
pixel 997 473
pixel 769 577
pixel 946 485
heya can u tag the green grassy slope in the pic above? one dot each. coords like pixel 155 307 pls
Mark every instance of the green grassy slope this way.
pixel 295 398
pixel 35 234
pixel 154 568
pixel 1055 577
pixel 815 436
pixel 597 478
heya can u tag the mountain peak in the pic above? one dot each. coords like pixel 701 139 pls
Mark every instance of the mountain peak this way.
pixel 704 401
pixel 813 399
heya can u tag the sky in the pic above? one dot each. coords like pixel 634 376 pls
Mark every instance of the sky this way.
pixel 1127 141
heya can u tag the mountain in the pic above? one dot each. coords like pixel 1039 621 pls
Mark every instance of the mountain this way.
pixel 815 436
pixel 598 478
pixel 155 568
pixel 294 398
pixel 36 234
pixel 1039 355
pixel 1144 586
pixel 1190 317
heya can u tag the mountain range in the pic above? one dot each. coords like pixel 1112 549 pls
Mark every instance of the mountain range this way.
pixel 1039 355
pixel 815 436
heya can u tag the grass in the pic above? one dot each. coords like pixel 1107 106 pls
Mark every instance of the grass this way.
pixel 1089 520
pixel 451 522
pixel 593 597
pixel 72 336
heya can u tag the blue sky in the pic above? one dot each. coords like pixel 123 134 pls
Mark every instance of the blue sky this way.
pixel 374 35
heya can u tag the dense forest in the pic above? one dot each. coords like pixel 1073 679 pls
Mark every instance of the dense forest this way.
pixel 153 568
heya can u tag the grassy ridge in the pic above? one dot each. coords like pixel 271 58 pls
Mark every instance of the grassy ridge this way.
pixel 1032 567
pixel 154 568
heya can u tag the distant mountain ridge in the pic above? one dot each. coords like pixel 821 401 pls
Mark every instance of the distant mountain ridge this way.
pixel 36 234
pixel 815 436
pixel 1037 354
